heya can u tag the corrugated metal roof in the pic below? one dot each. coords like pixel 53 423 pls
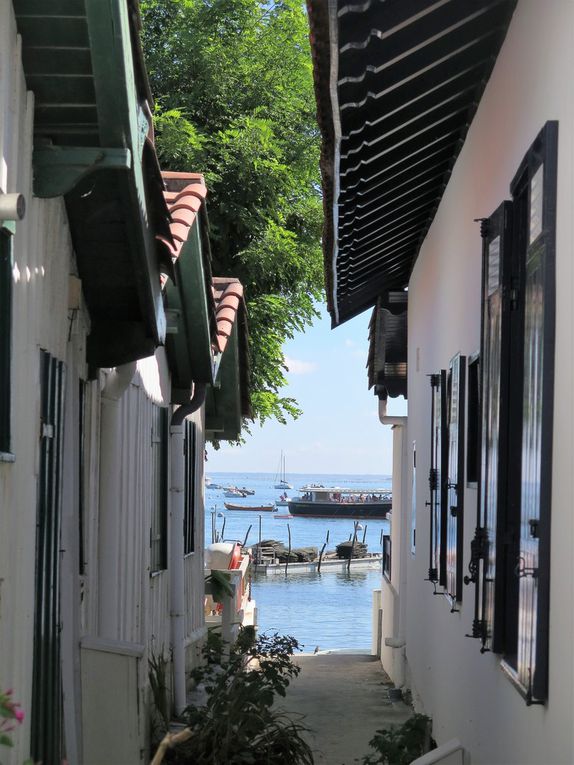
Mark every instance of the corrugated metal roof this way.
pixel 397 85
pixel 387 361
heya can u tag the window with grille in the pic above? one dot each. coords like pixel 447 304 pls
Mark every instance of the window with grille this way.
pixel 158 535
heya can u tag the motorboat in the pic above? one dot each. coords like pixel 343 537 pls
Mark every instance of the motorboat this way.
pixel 334 502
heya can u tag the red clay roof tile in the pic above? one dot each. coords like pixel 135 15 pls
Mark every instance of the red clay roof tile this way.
pixel 228 294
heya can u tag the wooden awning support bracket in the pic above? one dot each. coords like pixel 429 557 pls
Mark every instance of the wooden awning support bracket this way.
pixel 58 169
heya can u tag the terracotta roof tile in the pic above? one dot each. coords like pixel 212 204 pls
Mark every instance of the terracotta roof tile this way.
pixel 186 192
pixel 228 296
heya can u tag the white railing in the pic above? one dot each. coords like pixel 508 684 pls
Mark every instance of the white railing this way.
pixel 451 753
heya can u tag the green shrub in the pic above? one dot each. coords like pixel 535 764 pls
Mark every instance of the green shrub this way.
pixel 402 744
pixel 238 724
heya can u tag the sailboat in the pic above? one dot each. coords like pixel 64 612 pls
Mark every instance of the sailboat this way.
pixel 281 481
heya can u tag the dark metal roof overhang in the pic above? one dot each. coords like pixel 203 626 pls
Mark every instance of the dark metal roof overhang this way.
pixel 94 146
pixel 397 85
pixel 387 363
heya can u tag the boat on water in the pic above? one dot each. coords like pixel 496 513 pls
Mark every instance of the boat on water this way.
pixel 281 481
pixel 232 492
pixel 334 502
pixel 235 491
pixel 251 508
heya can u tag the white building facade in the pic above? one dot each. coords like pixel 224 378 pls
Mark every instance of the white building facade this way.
pixel 101 490
pixel 477 601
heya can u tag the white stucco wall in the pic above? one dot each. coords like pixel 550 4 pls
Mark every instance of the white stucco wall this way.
pixel 466 693
pixel 42 262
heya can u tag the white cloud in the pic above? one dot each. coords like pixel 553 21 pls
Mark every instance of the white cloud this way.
pixel 298 367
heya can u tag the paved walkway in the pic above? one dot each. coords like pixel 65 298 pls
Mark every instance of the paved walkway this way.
pixel 344 700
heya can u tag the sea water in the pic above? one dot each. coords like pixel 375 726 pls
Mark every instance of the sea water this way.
pixel 330 610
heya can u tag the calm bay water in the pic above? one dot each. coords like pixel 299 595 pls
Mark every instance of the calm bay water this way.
pixel 329 610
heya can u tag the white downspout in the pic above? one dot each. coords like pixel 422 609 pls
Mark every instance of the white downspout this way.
pixel 176 543
pixel 398 530
pixel 109 501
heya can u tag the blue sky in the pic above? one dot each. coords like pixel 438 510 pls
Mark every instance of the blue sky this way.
pixel 339 430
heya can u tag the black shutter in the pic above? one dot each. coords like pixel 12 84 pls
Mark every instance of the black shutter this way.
pixel 536 183
pixel 5 338
pixel 46 718
pixel 497 238
pixel 437 483
pixel 190 447
pixel 455 484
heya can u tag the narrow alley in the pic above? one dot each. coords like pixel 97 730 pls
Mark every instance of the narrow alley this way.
pixel 343 698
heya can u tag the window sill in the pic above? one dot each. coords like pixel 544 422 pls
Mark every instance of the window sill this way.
pixel 510 673
pixel 7 457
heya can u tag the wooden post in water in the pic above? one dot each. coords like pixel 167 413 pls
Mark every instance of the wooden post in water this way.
pixel 356 523
pixel 223 529
pixel 246 535
pixel 288 549
pixel 213 532
pixel 259 545
pixel 364 533
pixel 322 551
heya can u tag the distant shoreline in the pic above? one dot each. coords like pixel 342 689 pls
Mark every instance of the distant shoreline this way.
pixel 292 473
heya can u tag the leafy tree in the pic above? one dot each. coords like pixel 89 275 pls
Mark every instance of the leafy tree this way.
pixel 234 91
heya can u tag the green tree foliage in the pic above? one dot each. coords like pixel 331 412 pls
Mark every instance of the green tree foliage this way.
pixel 233 85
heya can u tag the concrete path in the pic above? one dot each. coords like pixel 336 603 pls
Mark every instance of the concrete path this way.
pixel 344 700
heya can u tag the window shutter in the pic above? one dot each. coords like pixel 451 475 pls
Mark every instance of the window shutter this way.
pixel 536 183
pixel 437 484
pixel 497 243
pixel 189 487
pixel 455 484
pixel 46 718
pixel 5 337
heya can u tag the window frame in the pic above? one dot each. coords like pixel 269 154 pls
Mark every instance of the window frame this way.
pixel 473 420
pixel 437 482
pixel 190 455
pixel 455 488
pixel 513 613
pixel 159 510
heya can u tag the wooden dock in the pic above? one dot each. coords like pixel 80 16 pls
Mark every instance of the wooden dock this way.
pixel 327 565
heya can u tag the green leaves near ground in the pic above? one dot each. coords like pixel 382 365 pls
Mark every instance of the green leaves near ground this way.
pixel 400 745
pixel 234 100
pixel 239 723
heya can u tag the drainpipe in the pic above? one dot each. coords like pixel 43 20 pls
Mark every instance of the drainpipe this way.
pixel 399 540
pixel 116 384
pixel 176 542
